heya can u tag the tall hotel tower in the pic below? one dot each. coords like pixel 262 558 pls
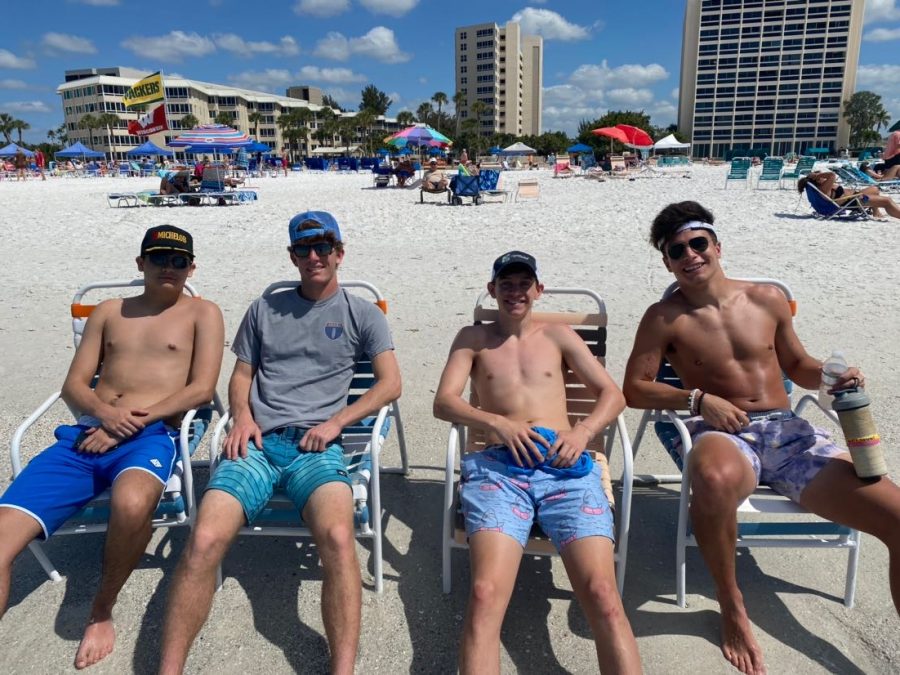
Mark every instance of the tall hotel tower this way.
pixel 770 74
pixel 504 70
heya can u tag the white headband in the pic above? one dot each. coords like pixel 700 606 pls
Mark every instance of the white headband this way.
pixel 690 225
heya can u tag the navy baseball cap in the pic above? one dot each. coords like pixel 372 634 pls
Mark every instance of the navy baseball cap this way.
pixel 511 259
pixel 313 224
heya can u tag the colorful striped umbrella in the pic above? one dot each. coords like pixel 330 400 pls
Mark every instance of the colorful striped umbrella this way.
pixel 211 137
pixel 418 134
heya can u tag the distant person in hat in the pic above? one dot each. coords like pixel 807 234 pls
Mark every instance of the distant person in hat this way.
pixel 158 355
pixel 535 468
pixel 21 163
pixel 434 179
pixel 296 352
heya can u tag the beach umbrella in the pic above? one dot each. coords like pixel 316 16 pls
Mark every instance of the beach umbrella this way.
pixel 637 138
pixel 11 149
pixel 383 152
pixel 211 138
pixel 405 151
pixel 79 150
pixel 611 132
pixel 418 134
pixel 579 147
pixel 256 146
pixel 436 151
pixel 518 149
pixel 496 150
pixel 149 148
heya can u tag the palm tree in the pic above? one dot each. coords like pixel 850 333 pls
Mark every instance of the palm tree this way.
pixel 108 121
pixel 424 112
pixel 20 126
pixel 405 118
pixel 458 100
pixel 882 118
pixel 255 118
pixel 440 98
pixel 478 109
pixel 89 122
pixel 6 127
pixel 226 118
pixel 189 121
pixel 365 121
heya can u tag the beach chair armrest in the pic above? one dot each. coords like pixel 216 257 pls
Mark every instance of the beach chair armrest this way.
pixel 15 445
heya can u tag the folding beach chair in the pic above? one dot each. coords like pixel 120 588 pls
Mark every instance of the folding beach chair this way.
pixel 803 167
pixel 563 169
pixel 771 172
pixel 591 326
pixel 489 184
pixel 825 208
pixel 363 444
pixel 861 178
pixel 176 508
pixel 214 191
pixel 768 527
pixel 125 199
pixel 739 170
pixel 528 189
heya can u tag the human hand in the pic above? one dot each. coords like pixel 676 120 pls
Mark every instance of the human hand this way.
pixel 318 438
pixel 96 441
pixel 241 432
pixel 723 415
pixel 569 445
pixel 851 379
pixel 521 440
pixel 122 422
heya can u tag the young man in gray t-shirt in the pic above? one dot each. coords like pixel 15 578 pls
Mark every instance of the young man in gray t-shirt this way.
pixel 296 352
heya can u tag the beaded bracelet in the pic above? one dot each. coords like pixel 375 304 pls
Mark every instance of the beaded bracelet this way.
pixel 692 399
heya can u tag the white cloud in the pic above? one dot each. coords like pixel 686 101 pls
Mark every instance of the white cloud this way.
pixel 379 44
pixel 629 97
pixel 173 47
pixel 347 99
pixel 675 93
pixel 60 42
pixel 882 35
pixel 321 8
pixel 396 98
pixel 548 24
pixel 882 10
pixel 235 44
pixel 10 60
pixel 884 80
pixel 27 107
pixel 331 75
pixel 423 80
pixel 591 76
pixel 392 7
pixel 14 84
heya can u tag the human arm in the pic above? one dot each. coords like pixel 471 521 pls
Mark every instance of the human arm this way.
pixel 570 443
pixel 387 388
pixel 243 426
pixel 449 404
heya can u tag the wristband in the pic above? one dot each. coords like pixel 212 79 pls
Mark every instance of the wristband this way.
pixel 692 401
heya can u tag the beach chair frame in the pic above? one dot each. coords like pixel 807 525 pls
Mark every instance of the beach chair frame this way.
pixel 363 444
pixel 739 170
pixel 177 506
pixel 592 328
pixel 769 528
pixel 825 208
pixel 772 169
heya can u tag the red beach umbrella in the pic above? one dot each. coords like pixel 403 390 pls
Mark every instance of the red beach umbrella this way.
pixel 636 137
pixel 612 132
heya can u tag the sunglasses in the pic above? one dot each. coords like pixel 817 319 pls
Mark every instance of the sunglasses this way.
pixel 176 261
pixel 698 244
pixel 322 249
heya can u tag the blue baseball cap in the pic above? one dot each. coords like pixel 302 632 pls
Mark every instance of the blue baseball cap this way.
pixel 514 259
pixel 299 227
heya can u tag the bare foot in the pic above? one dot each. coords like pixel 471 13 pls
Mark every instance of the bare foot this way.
pixel 738 644
pixel 97 643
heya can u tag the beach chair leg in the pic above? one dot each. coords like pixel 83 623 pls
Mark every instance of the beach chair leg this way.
pixel 445 566
pixel 219 578
pixel 852 564
pixel 44 561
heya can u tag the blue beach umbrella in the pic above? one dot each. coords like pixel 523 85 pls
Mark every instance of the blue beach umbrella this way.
pixel 149 148
pixel 579 147
pixel 405 151
pixel 496 150
pixel 11 150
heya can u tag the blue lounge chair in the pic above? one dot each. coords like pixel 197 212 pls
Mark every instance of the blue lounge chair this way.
pixel 768 528
pixel 739 170
pixel 826 208
pixel 803 167
pixel 464 186
pixel 771 172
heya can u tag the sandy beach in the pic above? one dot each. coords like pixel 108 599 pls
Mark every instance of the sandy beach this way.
pixel 431 261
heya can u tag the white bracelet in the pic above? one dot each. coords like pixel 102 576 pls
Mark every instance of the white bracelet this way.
pixel 692 401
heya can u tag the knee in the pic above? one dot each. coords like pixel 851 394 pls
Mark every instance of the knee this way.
pixel 484 595
pixel 603 597
pixel 133 509
pixel 713 482
pixel 338 541
pixel 206 547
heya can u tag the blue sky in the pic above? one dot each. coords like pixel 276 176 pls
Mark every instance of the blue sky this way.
pixel 597 55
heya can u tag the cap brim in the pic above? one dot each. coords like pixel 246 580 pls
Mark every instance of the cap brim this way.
pixel 168 248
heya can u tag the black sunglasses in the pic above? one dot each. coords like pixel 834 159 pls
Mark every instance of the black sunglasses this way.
pixel 698 244
pixel 322 249
pixel 176 261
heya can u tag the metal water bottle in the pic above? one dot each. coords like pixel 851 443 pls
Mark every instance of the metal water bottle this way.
pixel 852 407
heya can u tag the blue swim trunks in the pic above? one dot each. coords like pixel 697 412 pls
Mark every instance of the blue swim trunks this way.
pixel 279 464
pixel 57 483
pixel 785 451
pixel 494 497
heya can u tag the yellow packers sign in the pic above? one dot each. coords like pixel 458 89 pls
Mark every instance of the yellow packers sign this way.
pixel 148 90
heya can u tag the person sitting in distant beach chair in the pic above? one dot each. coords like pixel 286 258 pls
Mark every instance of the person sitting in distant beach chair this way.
pixel 890 174
pixel 158 355
pixel 871 196
pixel 175 182
pixel 404 172
pixel 434 179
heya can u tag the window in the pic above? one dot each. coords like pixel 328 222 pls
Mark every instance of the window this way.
pixel 485 78
pixel 464 80
pixel 484 44
pixel 482 67
pixel 176 92
pixel 485 55
pixel 484 90
pixel 463 35
pixel 463 47
pixel 484 31
pixel 265 107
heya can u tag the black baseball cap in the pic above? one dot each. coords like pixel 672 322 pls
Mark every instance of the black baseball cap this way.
pixel 514 259
pixel 167 238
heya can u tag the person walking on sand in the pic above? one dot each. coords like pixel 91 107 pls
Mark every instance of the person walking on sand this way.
pixel 40 162
pixel 158 355
pixel 296 355
pixel 536 469
pixel 729 342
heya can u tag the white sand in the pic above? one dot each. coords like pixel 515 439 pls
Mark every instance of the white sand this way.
pixel 431 261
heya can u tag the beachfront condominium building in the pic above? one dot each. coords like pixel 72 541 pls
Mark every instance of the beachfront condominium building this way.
pixel 502 69
pixel 100 90
pixel 768 74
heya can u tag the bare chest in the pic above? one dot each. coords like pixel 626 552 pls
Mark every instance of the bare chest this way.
pixel 166 335
pixel 707 338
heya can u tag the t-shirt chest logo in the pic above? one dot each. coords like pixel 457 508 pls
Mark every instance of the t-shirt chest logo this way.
pixel 334 330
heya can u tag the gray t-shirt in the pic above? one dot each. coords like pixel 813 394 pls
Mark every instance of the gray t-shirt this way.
pixel 305 353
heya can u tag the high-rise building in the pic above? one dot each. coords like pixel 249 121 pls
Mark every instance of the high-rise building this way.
pixel 769 74
pixel 100 90
pixel 502 69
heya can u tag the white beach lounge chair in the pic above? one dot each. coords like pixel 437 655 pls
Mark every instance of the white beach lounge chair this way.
pixel 176 508
pixel 363 444
pixel 769 520
pixel 590 324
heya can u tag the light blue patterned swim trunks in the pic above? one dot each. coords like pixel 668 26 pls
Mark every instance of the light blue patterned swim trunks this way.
pixel 785 451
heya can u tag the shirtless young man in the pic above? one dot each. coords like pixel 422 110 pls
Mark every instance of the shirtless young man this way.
pixel 161 352
pixel 536 469
pixel 729 341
